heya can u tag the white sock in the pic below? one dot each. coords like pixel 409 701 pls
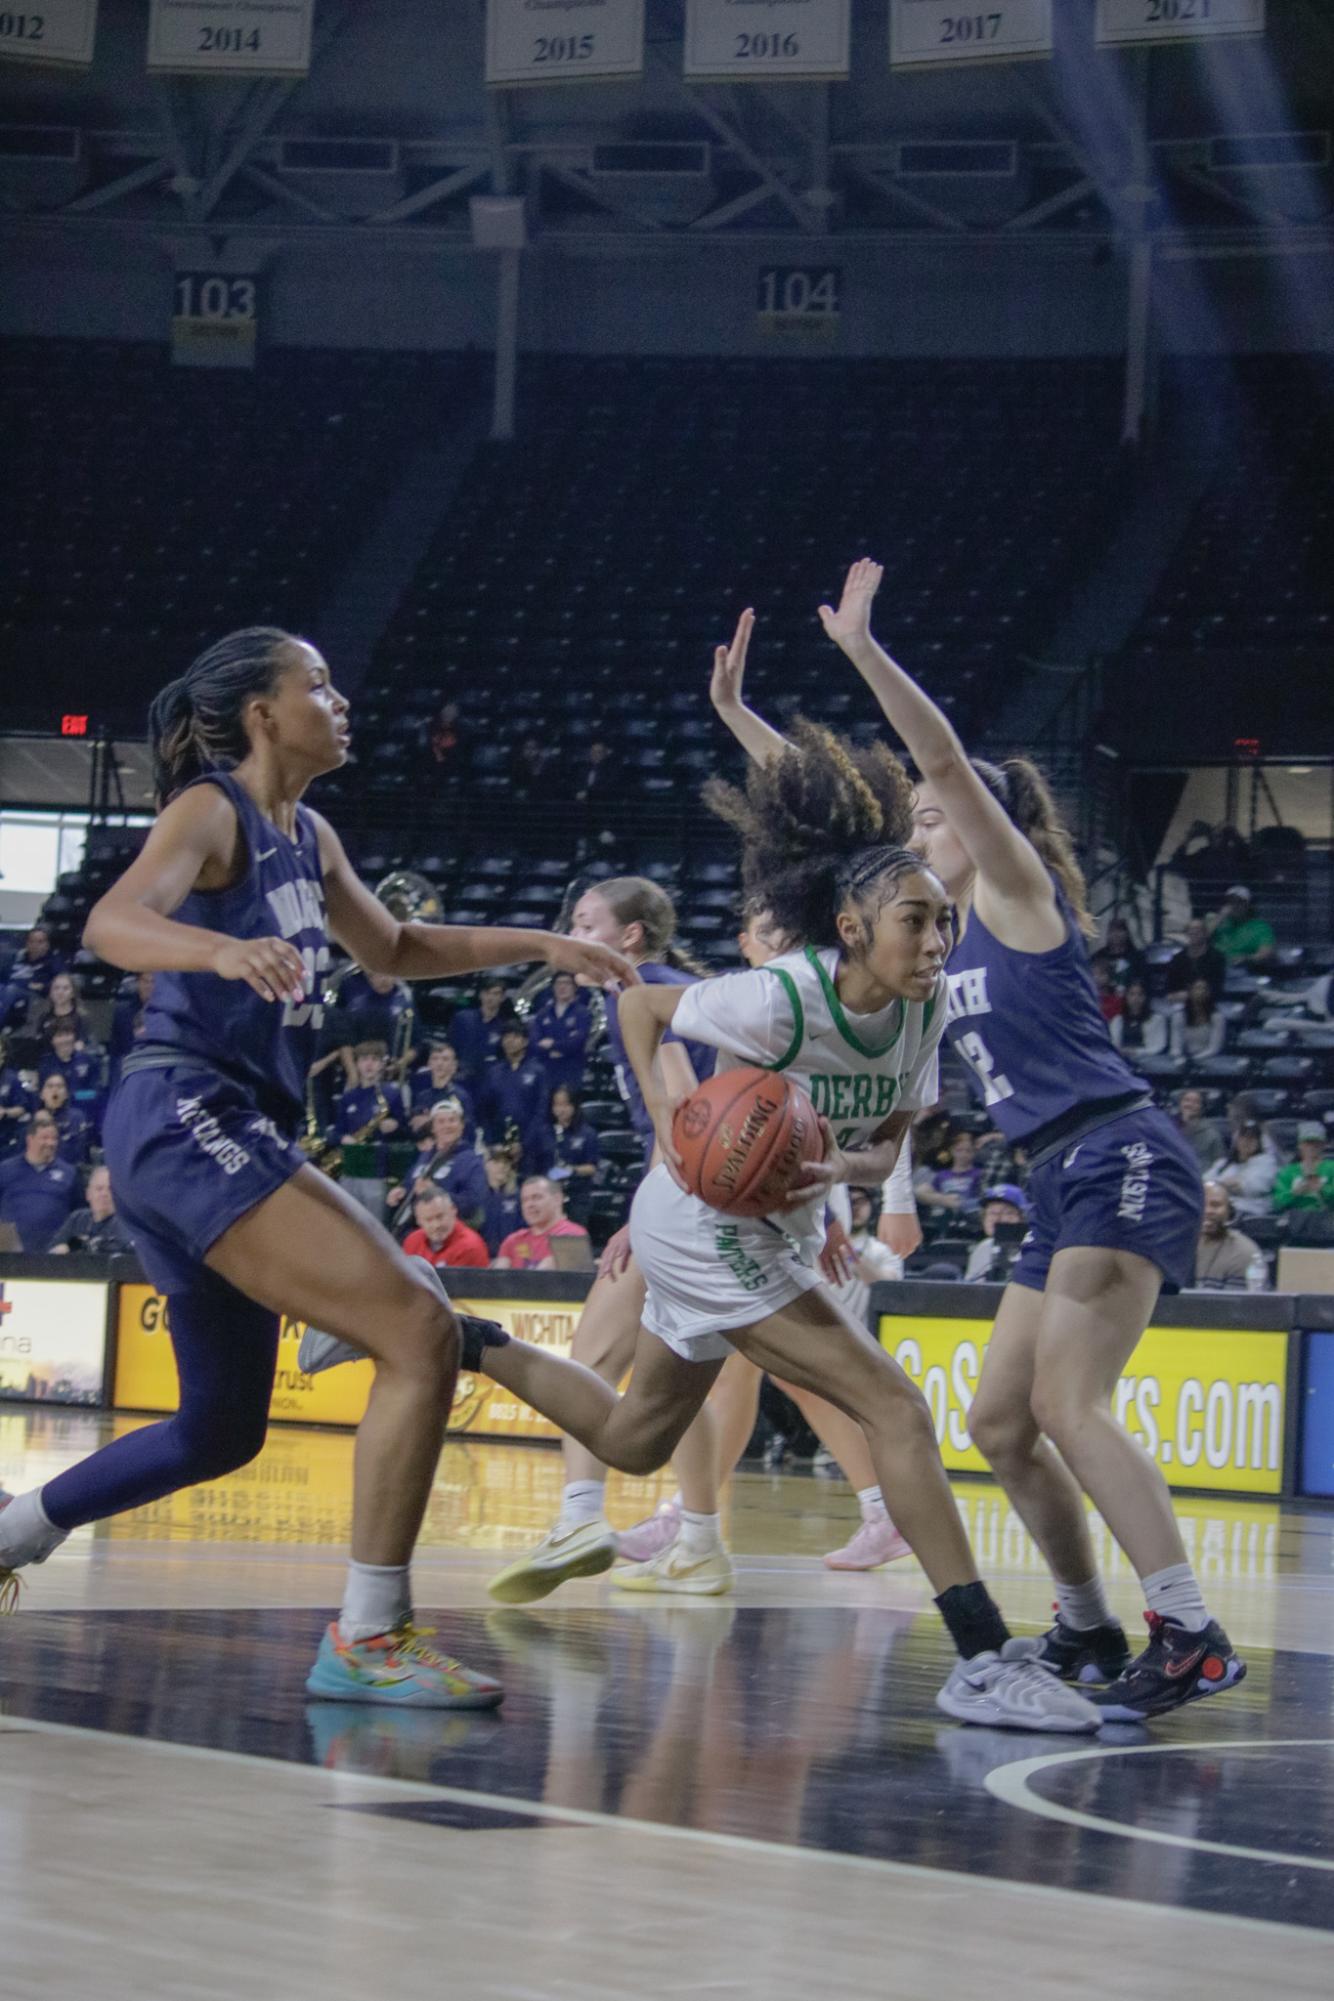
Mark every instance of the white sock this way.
pixel 582 1501
pixel 1082 1606
pixel 699 1534
pixel 376 1598
pixel 1175 1594
pixel 26 1536
pixel 872 1503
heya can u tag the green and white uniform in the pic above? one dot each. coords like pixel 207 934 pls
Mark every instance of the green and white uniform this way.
pixel 707 1272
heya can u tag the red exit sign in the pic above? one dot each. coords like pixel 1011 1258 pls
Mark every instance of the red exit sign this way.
pixel 74 725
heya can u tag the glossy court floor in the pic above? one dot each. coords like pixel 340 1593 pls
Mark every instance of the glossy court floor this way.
pixel 727 1798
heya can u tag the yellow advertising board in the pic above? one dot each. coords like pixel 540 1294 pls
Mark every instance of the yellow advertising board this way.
pixel 146 1369
pixel 1209 1404
pixel 53 1337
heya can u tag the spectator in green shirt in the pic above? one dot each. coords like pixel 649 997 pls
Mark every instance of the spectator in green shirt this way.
pixel 1308 1182
pixel 1243 938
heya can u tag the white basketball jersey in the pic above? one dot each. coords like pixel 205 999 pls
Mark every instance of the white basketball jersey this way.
pixel 857 1069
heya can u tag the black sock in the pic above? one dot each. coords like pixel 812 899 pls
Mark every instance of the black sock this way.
pixel 475 1337
pixel 974 1620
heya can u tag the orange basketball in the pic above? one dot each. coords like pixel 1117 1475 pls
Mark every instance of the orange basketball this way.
pixel 744 1138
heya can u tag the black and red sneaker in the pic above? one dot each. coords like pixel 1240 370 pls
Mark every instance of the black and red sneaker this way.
pixel 1175 1668
pixel 1097 1654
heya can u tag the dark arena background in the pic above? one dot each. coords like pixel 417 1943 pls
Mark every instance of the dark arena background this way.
pixel 506 351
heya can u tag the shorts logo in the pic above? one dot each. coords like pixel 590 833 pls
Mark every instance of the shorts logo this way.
pixel 208 1135
pixel 1135 1182
pixel 265 1129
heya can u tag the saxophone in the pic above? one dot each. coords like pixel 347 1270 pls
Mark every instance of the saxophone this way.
pixel 319 1149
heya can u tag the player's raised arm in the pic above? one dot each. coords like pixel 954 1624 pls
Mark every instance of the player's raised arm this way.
pixel 1006 862
pixel 191 845
pixel 412 951
pixel 757 738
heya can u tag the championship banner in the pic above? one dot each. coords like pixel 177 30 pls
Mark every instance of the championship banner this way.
pixel 789 39
pixel 146 1369
pixel 1122 22
pixel 61 31
pixel 1208 1404
pixel 532 41
pixel 934 32
pixel 224 37
pixel 53 1339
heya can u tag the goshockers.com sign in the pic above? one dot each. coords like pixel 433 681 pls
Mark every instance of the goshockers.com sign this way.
pixel 146 1369
pixel 1208 1404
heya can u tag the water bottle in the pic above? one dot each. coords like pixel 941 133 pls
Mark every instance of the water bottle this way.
pixel 1257 1274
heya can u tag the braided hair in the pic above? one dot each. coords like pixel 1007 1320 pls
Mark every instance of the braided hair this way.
pixel 196 723
pixel 823 827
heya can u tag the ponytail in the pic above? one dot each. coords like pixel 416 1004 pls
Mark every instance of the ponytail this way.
pixel 1027 798
pixel 196 724
pixel 634 899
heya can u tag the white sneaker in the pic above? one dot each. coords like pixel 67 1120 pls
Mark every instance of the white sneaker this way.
pixel 1009 1691
pixel 324 1351
pixel 585 1551
pixel 675 1569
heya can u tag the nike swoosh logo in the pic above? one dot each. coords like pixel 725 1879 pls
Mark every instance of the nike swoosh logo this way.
pixel 1175 1669
pixel 265 856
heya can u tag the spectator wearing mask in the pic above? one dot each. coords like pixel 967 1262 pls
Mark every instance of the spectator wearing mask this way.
pixel 1201 1134
pixel 1198 1027
pixel 515 1091
pixel 37 1189
pixel 439 1080
pixel 988 1260
pixel 1128 962
pixel 502 1212
pixel 956 1187
pixel 475 1031
pixel 566 1149
pixel 96 1229
pixel 1137 1029
pixel 1248 1171
pixel 559 1032
pixel 1243 938
pixel 1109 999
pixel 1225 1258
pixel 1197 960
pixel 74 1134
pixel 450 1164
pixel 544 1219
pixel 440 1236
pixel 79 1064
pixel 17 1105
pixel 1308 1181
pixel 29 978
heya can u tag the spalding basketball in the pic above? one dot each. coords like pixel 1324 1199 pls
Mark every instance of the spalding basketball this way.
pixel 743 1138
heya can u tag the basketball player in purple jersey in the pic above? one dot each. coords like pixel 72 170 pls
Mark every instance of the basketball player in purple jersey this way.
pixel 230 906
pixel 1116 1192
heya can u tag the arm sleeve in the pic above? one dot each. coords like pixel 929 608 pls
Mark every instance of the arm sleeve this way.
pixel 896 1196
pixel 921 1086
pixel 749 1015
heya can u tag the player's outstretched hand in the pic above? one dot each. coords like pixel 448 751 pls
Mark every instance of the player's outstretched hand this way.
pixel 616 1254
pixel 597 964
pixel 850 626
pixel 270 965
pixel 729 666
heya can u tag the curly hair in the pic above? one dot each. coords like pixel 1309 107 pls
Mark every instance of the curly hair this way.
pixel 822 826
pixel 1026 796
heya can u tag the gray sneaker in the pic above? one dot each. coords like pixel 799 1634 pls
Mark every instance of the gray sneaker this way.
pixel 324 1351
pixel 1010 1691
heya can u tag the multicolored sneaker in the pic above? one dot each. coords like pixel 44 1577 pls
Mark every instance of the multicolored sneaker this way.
pixel 875 1543
pixel 675 1569
pixel 585 1551
pixel 648 1538
pixel 1175 1668
pixel 397 1667
pixel 1098 1654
